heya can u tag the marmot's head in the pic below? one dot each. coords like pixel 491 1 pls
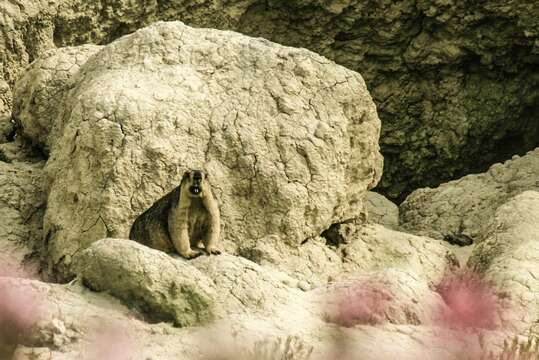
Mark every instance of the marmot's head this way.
pixel 195 182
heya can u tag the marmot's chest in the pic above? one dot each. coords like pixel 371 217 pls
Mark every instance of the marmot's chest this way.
pixel 197 218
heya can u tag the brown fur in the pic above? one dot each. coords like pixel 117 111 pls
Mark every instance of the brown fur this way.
pixel 181 220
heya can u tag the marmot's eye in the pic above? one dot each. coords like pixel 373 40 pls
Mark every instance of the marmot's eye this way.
pixel 197 175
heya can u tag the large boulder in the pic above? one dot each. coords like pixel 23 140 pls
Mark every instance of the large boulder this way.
pixel 187 293
pixel 289 138
pixel 466 206
pixel 150 281
pixel 509 257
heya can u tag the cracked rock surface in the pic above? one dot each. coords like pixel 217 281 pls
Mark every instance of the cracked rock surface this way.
pixel 244 287
pixel 467 205
pixel 39 93
pixel 187 293
pixel 289 138
pixel 455 83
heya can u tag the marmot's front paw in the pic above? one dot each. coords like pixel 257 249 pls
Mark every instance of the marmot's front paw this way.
pixel 213 251
pixel 191 254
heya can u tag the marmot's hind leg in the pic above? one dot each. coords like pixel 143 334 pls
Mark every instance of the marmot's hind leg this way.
pixel 160 239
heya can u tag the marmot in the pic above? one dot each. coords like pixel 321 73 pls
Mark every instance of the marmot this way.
pixel 184 219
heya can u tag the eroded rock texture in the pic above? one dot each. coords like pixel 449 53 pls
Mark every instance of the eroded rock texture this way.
pixel 509 257
pixel 290 141
pixel 466 206
pixel 38 96
pixel 455 83
pixel 289 138
pixel 7 128
pixel 22 204
pixel 26 31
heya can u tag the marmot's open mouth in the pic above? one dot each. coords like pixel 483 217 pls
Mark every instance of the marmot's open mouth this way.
pixel 195 190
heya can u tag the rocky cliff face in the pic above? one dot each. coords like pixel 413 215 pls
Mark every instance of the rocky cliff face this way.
pixel 315 266
pixel 455 83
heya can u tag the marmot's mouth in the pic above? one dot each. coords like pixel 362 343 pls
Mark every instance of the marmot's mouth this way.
pixel 195 190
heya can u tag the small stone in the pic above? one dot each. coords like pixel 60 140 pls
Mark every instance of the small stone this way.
pixel 305 286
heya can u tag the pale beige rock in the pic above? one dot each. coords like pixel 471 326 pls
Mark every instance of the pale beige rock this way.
pixel 73 313
pixel 27 29
pixel 68 315
pixel 149 280
pixel 244 287
pixel 22 204
pixel 365 249
pixel 439 127
pixel 381 210
pixel 184 292
pixel 374 247
pixel 396 297
pixel 313 262
pixel 467 205
pixel 25 353
pixel 38 95
pixel 141 277
pixel 509 257
pixel 289 138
